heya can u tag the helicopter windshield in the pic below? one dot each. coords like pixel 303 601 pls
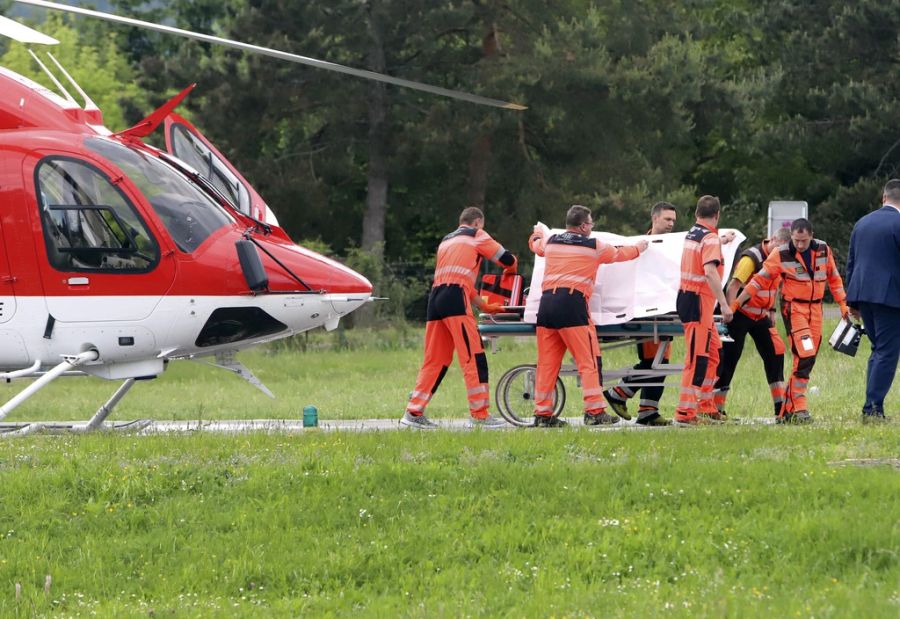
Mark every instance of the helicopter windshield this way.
pixel 188 147
pixel 188 214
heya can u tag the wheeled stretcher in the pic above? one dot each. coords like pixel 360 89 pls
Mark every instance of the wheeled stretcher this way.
pixel 514 393
pixel 633 302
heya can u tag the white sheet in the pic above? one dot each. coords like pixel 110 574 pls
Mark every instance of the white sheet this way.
pixel 638 288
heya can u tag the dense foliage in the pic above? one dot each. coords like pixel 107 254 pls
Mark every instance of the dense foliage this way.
pixel 628 103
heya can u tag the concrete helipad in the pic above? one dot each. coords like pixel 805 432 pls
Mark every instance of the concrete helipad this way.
pixel 369 425
pixel 292 426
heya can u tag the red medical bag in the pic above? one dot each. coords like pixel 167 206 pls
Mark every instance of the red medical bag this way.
pixel 502 289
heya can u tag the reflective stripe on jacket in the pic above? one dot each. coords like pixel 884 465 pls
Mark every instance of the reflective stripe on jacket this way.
pixel 459 257
pixel 798 284
pixel 764 300
pixel 701 246
pixel 571 260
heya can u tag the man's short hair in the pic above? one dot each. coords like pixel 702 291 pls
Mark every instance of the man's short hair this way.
pixel 892 190
pixel 659 207
pixel 781 236
pixel 577 215
pixel 707 207
pixel 470 215
pixel 801 225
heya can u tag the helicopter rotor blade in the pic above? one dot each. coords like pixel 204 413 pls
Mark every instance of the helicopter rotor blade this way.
pixel 274 53
pixel 23 34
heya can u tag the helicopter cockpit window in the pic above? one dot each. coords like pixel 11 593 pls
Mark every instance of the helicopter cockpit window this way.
pixel 89 224
pixel 188 214
pixel 188 147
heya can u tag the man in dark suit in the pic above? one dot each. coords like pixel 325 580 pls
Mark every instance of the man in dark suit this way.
pixel 873 293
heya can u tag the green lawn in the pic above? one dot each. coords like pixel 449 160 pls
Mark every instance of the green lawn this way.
pixel 374 378
pixel 735 520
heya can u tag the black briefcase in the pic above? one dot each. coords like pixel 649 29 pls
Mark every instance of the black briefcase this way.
pixel 846 337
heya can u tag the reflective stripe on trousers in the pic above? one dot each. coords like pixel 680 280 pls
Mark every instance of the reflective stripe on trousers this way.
pixel 768 345
pixel 552 344
pixel 442 338
pixel 804 326
pixel 701 359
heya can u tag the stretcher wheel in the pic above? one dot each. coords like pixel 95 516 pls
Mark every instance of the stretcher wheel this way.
pixel 515 395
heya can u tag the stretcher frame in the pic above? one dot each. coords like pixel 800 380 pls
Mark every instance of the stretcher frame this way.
pixel 514 393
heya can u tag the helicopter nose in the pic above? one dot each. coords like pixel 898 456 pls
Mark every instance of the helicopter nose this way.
pixel 351 282
pixel 335 278
pixel 317 273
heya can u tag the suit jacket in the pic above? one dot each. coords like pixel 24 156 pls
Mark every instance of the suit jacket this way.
pixel 873 266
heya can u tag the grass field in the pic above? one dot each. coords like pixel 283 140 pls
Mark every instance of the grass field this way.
pixel 737 520
pixel 374 377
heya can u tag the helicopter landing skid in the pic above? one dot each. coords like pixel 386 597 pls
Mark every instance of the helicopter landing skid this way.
pixel 12 430
pixel 95 422
pixel 69 362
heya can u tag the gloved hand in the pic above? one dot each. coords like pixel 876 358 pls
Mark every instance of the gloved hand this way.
pixel 845 311
pixel 512 269
pixel 491 308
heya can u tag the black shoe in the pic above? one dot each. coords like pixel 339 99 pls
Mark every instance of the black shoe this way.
pixel 600 419
pixel 797 417
pixel 542 421
pixel 654 419
pixel 620 407
pixel 873 415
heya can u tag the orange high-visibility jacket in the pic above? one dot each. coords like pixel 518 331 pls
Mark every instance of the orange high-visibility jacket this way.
pixel 798 284
pixel 459 257
pixel 701 246
pixel 572 259
pixel 760 303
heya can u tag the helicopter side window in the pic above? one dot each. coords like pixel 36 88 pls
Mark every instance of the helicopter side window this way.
pixel 187 213
pixel 89 224
pixel 190 149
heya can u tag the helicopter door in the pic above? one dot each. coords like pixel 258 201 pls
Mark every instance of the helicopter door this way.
pixel 7 292
pixel 185 142
pixel 103 262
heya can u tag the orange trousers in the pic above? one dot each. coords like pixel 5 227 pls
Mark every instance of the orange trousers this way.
pixel 552 345
pixel 803 323
pixel 701 360
pixel 442 338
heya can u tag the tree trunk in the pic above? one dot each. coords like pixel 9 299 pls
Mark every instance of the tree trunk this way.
pixel 479 163
pixel 480 153
pixel 377 181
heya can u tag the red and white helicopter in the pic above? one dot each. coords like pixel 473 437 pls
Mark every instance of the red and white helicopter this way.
pixel 116 257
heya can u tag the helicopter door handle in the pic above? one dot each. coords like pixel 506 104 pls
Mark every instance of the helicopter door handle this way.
pixel 78 281
pixel 8 279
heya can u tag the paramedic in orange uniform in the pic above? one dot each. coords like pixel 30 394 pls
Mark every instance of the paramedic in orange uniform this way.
pixel 805 265
pixel 450 324
pixel 563 318
pixel 756 318
pixel 699 290
pixel 662 221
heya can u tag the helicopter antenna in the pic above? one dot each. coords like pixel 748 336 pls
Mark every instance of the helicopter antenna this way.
pixel 89 105
pixel 65 92
pixel 23 34
pixel 274 53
